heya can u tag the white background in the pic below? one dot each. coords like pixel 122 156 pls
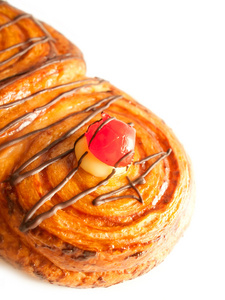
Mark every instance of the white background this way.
pixel 170 56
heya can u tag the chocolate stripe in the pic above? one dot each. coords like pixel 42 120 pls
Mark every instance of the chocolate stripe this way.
pixel 53 52
pixel 53 191
pixel 12 79
pixel 140 180
pixel 21 138
pixel 21 53
pixel 42 166
pixel 17 19
pixel 51 89
pixel 140 199
pixel 30 117
pixel 40 218
pixel 22 44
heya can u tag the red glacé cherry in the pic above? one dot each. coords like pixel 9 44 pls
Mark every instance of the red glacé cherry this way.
pixel 114 140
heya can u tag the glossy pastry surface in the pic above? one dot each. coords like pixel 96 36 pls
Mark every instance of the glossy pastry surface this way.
pixel 58 221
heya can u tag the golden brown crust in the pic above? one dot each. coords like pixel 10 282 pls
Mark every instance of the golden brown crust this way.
pixel 82 245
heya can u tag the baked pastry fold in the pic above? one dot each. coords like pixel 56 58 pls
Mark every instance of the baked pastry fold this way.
pixel 85 231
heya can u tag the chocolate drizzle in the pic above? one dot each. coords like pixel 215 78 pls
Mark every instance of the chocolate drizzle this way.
pixel 140 180
pixel 15 20
pixel 19 54
pixel 50 59
pixel 19 76
pixel 51 89
pixel 35 39
pixel 40 168
pixel 39 40
pixel 51 193
pixel 31 116
pixel 140 199
pixel 40 218
pixel 25 120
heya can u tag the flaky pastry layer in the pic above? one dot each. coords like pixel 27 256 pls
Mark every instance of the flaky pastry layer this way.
pixel 46 104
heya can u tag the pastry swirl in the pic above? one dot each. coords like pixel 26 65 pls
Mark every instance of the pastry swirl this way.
pixel 59 222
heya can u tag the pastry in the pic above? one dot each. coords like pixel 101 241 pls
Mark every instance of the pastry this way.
pixel 95 189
